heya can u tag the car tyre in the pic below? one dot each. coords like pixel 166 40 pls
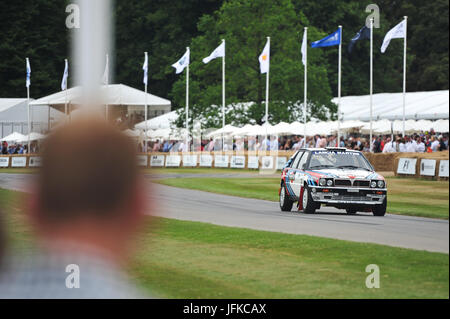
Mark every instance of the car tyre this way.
pixel 285 202
pixel 351 211
pixel 309 206
pixel 380 210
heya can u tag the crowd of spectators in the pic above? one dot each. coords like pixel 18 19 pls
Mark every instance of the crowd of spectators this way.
pixel 17 148
pixel 421 142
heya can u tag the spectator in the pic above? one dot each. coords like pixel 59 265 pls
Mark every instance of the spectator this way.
pixel 167 146
pixel 84 227
pixel 156 146
pixel 434 144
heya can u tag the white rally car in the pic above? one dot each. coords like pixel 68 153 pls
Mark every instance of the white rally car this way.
pixel 335 177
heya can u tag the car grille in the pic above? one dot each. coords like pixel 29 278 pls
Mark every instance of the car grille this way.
pixel 348 183
pixel 342 182
pixel 359 183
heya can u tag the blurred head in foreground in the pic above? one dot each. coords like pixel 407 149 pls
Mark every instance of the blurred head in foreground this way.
pixel 88 188
pixel 87 206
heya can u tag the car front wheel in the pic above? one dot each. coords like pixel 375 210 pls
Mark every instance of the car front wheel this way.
pixel 285 202
pixel 380 210
pixel 309 207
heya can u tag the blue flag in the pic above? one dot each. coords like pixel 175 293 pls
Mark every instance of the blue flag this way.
pixel 362 34
pixel 330 40
pixel 28 81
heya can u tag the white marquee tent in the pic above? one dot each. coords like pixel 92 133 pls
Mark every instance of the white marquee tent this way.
pixel 431 105
pixel 160 122
pixel 112 94
pixel 13 137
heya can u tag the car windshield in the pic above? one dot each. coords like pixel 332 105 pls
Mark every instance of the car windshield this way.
pixel 338 159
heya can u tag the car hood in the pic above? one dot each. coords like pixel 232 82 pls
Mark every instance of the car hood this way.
pixel 347 173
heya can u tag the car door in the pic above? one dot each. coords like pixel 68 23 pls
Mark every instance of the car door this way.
pixel 290 173
pixel 299 176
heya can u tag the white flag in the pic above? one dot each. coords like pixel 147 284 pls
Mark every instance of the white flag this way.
pixel 264 58
pixel 65 75
pixel 145 68
pixel 182 63
pixel 105 78
pixel 304 46
pixel 28 82
pixel 396 32
pixel 219 52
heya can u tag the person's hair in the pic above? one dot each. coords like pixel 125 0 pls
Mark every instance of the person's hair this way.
pixel 89 169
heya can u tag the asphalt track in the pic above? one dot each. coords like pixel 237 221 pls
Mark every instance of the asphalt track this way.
pixel 184 204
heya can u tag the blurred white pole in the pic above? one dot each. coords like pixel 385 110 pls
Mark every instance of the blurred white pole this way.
pixel 146 112
pixel 28 112
pixel 404 76
pixel 91 41
pixel 106 83
pixel 223 96
pixel 267 100
pixel 305 87
pixel 371 81
pixel 339 88
pixel 187 105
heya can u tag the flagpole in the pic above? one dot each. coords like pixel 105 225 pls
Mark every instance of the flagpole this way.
pixel 371 81
pixel 223 95
pixel 29 124
pixel 267 94
pixel 65 97
pixel 339 87
pixel 404 76
pixel 65 103
pixel 146 112
pixel 305 87
pixel 107 82
pixel 187 105
pixel 28 110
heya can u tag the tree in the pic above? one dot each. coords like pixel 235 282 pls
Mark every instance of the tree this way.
pixel 244 25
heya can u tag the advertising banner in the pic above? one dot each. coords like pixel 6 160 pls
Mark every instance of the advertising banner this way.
pixel 206 160
pixel 427 167
pixel 173 160
pixel 253 162
pixel 142 160
pixel 237 162
pixel 157 160
pixel 19 161
pixel 407 166
pixel 443 168
pixel 220 160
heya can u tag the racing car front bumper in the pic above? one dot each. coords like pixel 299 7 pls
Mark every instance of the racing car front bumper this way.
pixel 353 196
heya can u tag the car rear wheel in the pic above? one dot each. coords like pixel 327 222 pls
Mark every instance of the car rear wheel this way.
pixel 285 202
pixel 309 207
pixel 380 210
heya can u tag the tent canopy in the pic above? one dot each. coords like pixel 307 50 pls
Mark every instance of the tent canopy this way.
pixel 13 137
pixel 432 105
pixel 112 94
pixel 160 122
pixel 33 137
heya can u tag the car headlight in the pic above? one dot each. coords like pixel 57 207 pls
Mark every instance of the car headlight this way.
pixel 380 184
pixel 329 182
pixel 322 182
pixel 373 184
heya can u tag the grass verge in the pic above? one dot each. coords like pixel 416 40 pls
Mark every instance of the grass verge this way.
pixel 414 197
pixel 181 259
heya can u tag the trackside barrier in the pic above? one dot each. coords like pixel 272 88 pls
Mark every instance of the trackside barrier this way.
pixel 424 165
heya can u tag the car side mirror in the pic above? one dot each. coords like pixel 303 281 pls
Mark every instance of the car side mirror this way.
pixel 303 166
